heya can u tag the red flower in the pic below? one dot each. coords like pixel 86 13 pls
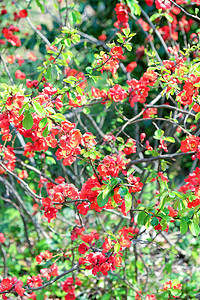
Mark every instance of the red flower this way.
pixel 150 112
pixel 83 248
pixel 118 261
pixel 172 213
pixel 10 59
pixel 116 52
pixel 149 2
pixel 125 241
pixel 102 37
pixel 130 67
pixel 150 297
pixel 145 25
pixel 191 143
pixel 107 245
pixel 5 285
pixel 83 208
pixel 87 238
pixel 136 185
pixel 130 147
pixel 50 213
pixel 2 238
pixel 18 288
pixel 23 13
pixel 183 98
pixel 117 93
pixel 163 4
pixel 32 56
pixel 20 75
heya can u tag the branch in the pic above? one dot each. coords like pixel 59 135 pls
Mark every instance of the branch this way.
pixel 165 156
pixel 75 267
pixel 196 18
pixel 22 181
pixel 173 108
pixel 36 171
pixel 5 269
pixel 23 220
pixel 6 68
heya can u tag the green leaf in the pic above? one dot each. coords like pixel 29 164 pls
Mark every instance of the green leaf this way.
pixel 194 228
pixel 155 16
pixel 123 191
pixel 101 200
pixel 117 247
pixel 169 18
pixel 43 123
pixel 196 218
pixel 126 31
pixel 128 202
pixel 120 139
pixel 172 195
pixel 176 292
pixel 134 7
pixel 48 73
pixel 197 117
pixel 158 134
pixel 141 218
pixel 74 17
pixel 28 121
pixel 70 79
pixel 58 117
pixel 196 84
pixel 153 153
pixel 114 181
pixel 79 90
pixel 45 132
pixel 130 171
pixel 38 109
pixel 169 139
pixel 137 9
pixel 108 103
pixel 50 160
pixel 40 6
pixel 86 110
pixel 128 47
pixel 106 296
pixel 154 221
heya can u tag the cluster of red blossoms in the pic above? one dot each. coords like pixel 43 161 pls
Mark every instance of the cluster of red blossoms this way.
pixel 13 285
pixel 10 37
pixel 98 262
pixel 193 185
pixel 57 196
pixel 191 143
pixel 9 158
pixel 122 16
pixel 138 89
pixel 111 62
pixel 189 92
pixel 169 285
pixel 68 286
pixel 183 25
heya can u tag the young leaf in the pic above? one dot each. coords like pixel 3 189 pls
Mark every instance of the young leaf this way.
pixel 43 123
pixel 141 218
pixel 102 201
pixel 128 202
pixel 28 121
pixel 194 228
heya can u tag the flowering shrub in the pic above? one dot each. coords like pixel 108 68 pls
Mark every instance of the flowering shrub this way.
pixel 99 149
